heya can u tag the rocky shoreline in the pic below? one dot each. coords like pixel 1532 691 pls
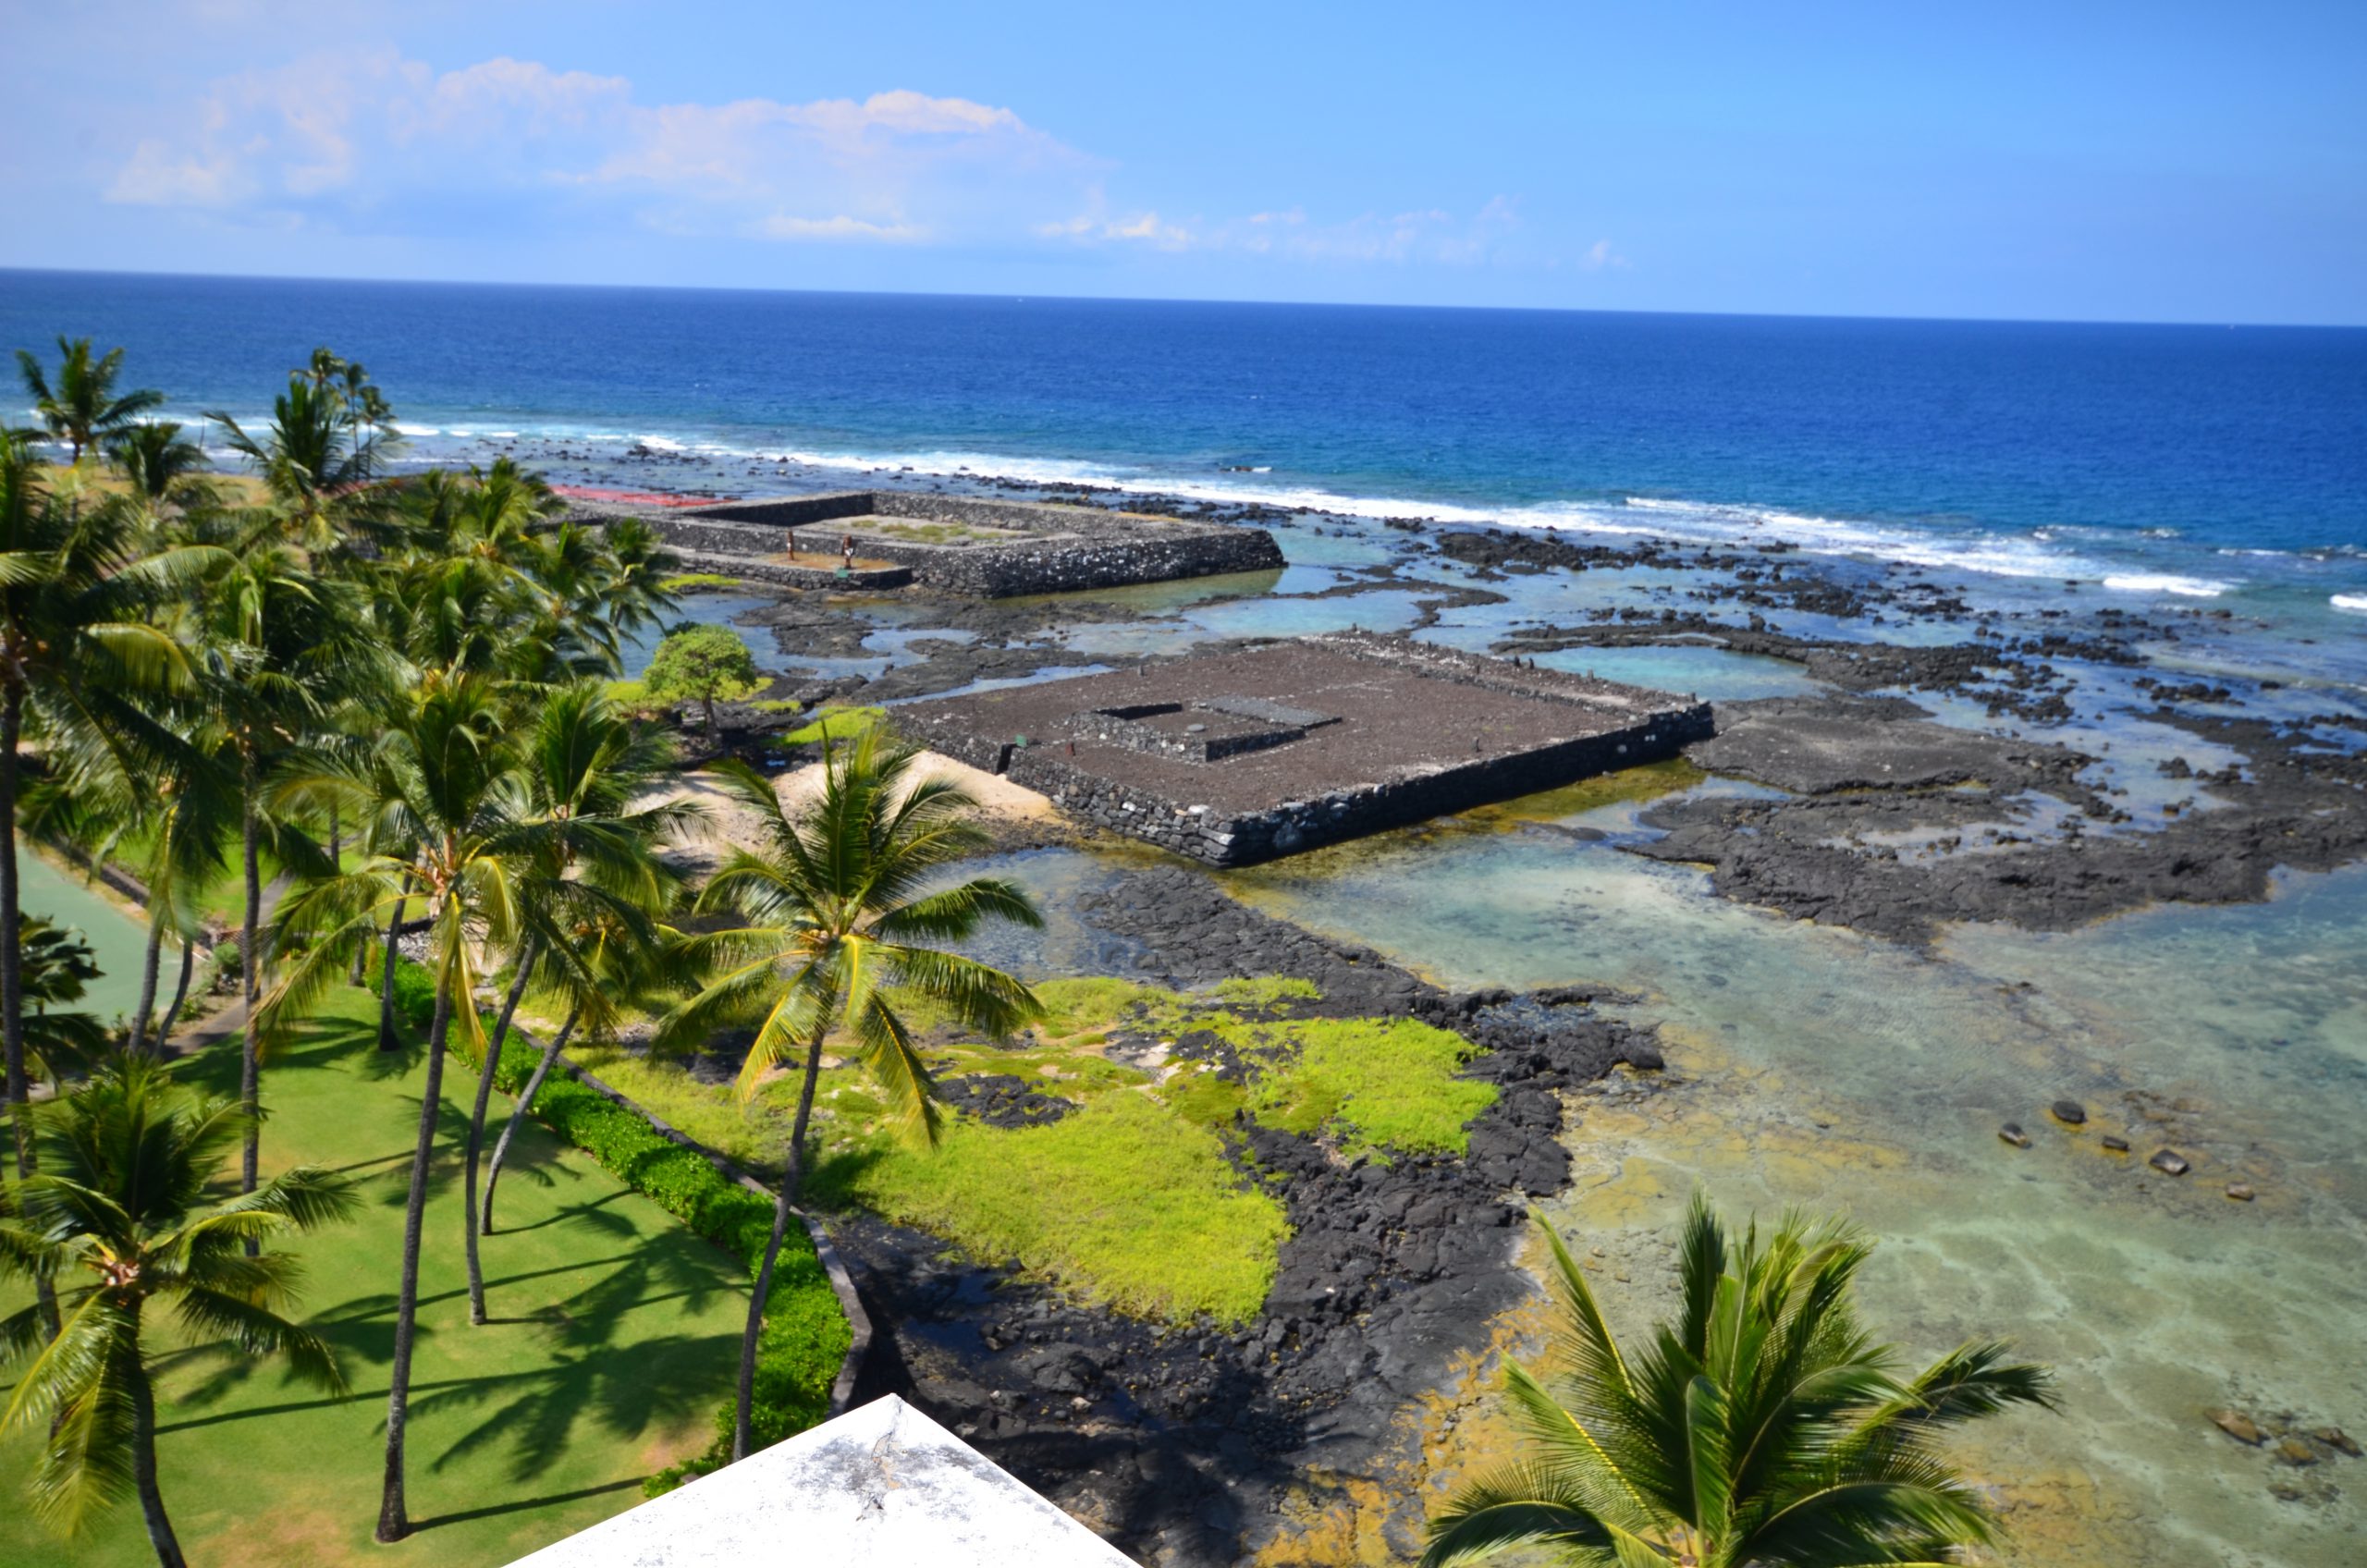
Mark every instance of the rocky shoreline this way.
pixel 1201 1445
pixel 1183 1445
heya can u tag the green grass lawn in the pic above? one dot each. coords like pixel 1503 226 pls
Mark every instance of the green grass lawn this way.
pixel 615 1332
pixel 1129 1200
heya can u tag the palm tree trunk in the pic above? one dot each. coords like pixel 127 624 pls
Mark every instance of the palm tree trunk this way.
pixel 148 967
pixel 250 982
pixel 12 994
pixel 394 1521
pixel 518 1114
pixel 181 994
pixel 143 1463
pixel 784 1204
pixel 19 1089
pixel 486 1071
pixel 388 1040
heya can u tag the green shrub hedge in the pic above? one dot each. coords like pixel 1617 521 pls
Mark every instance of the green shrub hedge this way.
pixel 414 988
pixel 805 1334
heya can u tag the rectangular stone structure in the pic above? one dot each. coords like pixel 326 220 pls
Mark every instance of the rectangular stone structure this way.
pixel 956 544
pixel 1398 731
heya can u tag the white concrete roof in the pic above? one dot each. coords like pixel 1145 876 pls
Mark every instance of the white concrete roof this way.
pixel 881 1484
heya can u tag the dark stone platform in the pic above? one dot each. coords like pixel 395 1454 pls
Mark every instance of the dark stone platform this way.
pixel 1239 757
pixel 959 543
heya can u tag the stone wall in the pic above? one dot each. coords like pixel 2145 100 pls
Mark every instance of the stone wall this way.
pixel 1118 726
pixel 1062 549
pixel 1068 566
pixel 823 575
pixel 1193 828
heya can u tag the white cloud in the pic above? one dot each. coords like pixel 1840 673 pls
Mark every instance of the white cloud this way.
pixel 1429 235
pixel 783 226
pixel 371 132
pixel 1096 226
pixel 370 142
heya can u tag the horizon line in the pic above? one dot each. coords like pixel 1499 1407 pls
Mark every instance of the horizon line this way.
pixel 2197 324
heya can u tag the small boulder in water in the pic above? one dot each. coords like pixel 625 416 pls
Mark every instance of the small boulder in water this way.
pixel 2012 1133
pixel 2169 1163
pixel 2337 1439
pixel 2071 1113
pixel 2240 1192
pixel 2238 1425
pixel 2117 1146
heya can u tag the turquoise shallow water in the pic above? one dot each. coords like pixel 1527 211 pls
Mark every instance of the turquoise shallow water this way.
pixel 1832 1070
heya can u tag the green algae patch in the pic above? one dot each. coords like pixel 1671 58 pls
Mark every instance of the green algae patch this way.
pixel 1121 1202
pixel 1136 1194
pixel 1647 782
pixel 1378 1086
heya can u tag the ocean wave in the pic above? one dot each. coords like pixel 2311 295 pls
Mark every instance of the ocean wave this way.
pixel 2043 553
pixel 2355 602
pixel 2165 582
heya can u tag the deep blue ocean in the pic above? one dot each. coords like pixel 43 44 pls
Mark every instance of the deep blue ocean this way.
pixel 2191 462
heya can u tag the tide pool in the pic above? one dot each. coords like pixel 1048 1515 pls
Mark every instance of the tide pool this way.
pixel 1847 1075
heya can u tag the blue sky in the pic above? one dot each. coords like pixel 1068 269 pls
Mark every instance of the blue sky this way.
pixel 2161 161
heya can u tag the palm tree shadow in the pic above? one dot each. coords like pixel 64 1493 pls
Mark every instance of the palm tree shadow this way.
pixel 380 1067
pixel 594 1214
pixel 521 1504
pixel 662 1383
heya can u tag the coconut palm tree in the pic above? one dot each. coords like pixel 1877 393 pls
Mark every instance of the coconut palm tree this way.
pixel 196 809
pixel 116 1221
pixel 158 461
pixel 58 968
pixel 279 649
pixel 77 655
pixel 320 457
pixel 347 379
pixel 451 823
pixel 585 760
pixel 82 409
pixel 1762 1428
pixel 609 961
pixel 634 600
pixel 603 585
pixel 839 914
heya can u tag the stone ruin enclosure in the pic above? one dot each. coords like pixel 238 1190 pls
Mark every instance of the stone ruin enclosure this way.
pixel 1233 758
pixel 952 543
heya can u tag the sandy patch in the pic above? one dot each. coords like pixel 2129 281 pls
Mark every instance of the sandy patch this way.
pixel 732 825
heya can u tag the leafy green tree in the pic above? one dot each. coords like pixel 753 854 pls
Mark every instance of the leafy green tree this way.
pixel 1762 1428
pixel 82 409
pixel 455 827
pixel 838 920
pixel 705 664
pixel 116 1219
